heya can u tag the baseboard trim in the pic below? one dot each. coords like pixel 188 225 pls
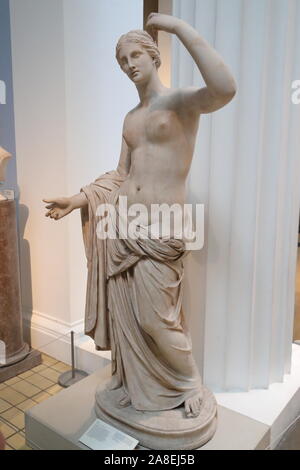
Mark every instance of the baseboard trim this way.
pixel 53 337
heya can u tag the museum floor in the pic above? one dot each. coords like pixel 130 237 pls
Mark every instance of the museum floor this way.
pixel 21 393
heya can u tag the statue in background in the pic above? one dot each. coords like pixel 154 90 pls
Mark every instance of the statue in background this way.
pixel 134 291
pixel 4 159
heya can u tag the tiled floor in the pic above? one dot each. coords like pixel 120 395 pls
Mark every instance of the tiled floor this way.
pixel 21 393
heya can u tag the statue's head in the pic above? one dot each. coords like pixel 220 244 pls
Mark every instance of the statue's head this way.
pixel 137 55
pixel 4 158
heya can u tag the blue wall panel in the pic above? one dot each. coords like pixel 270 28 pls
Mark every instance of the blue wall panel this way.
pixel 7 128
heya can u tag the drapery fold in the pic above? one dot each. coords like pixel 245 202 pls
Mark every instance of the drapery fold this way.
pixel 96 314
pixel 134 307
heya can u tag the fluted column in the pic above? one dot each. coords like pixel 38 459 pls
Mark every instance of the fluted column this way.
pixel 240 287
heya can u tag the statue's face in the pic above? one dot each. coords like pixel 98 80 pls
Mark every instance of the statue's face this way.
pixel 4 157
pixel 136 62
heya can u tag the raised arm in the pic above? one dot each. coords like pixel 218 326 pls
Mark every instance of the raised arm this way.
pixel 220 84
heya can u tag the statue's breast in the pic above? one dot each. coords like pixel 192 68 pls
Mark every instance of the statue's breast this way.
pixel 152 125
pixel 162 125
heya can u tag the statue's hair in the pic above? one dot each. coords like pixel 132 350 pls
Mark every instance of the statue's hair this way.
pixel 144 40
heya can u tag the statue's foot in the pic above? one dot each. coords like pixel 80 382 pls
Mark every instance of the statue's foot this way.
pixel 193 405
pixel 125 401
pixel 114 383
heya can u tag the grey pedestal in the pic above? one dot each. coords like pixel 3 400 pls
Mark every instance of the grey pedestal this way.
pixel 33 359
pixel 59 422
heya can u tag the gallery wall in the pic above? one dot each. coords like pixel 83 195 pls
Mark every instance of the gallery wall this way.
pixel 98 96
pixel 70 101
pixel 39 91
pixel 7 133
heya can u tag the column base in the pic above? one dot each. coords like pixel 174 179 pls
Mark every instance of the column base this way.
pixel 19 356
pixel 32 359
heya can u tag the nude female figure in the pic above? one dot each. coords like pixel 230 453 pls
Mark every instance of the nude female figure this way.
pixel 159 137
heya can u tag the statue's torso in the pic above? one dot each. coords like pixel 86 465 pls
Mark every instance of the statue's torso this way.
pixel 161 138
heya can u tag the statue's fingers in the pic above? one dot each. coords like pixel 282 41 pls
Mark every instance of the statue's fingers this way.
pixel 149 20
pixel 149 25
pixel 150 17
pixel 152 30
pixel 49 201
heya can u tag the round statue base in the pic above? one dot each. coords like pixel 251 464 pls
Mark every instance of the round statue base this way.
pixel 159 430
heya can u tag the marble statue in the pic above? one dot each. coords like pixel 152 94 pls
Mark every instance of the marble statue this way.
pixel 4 158
pixel 134 291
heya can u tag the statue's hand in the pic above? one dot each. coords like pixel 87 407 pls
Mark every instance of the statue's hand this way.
pixel 160 22
pixel 58 207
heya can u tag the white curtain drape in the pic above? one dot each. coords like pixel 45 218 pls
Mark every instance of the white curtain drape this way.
pixel 240 288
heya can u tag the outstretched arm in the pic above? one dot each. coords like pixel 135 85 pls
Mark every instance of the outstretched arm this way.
pixel 220 84
pixel 62 206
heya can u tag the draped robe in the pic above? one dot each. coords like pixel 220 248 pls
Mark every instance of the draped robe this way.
pixel 134 290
